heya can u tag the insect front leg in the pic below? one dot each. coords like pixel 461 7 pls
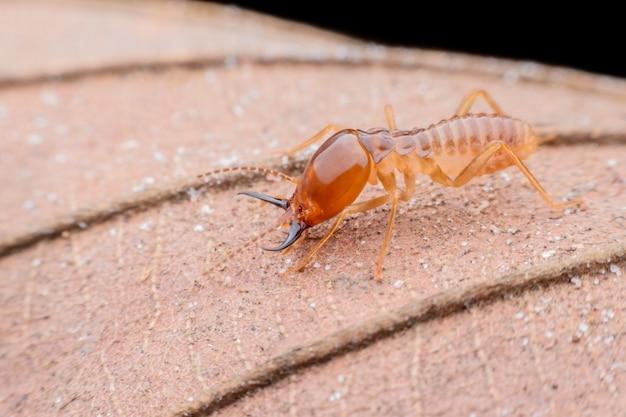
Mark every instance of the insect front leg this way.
pixel 331 128
pixel 468 101
pixel 354 208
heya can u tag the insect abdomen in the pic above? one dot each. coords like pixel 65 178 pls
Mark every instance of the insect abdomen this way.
pixel 453 143
pixel 470 134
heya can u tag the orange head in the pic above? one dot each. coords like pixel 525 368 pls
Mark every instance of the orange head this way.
pixel 331 181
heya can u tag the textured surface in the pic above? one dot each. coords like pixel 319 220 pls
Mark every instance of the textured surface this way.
pixel 146 313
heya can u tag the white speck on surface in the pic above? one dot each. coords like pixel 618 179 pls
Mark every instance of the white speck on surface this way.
pixel 60 158
pixel 82 225
pixel 358 264
pixel 238 110
pixel 158 156
pixel 145 183
pixel 190 399
pixel 198 228
pixel 229 160
pixel 61 129
pixel 596 281
pixel 619 366
pixel 129 144
pixel 510 76
pixel 524 341
pixel 312 305
pixel 317 265
pixel 607 315
pixel 227 281
pixel 583 327
pixel 494 229
pixel 398 284
pixel 335 396
pixel 41 122
pixel 343 100
pixel 615 270
pixel 49 98
pixel 34 139
pixel 147 225
pixel 36 262
pixel 231 61
pixel 549 334
pixel 513 230
pixel 509 242
pixel 577 246
pixel 113 231
pixel 210 77
pixel 519 315
pixel 206 209
pixel 548 254
pixel 327 267
pixel 193 193
pixel 611 162
pixel 464 243
pixel 341 378
pixel 576 281
pixel 58 400
pixel 28 205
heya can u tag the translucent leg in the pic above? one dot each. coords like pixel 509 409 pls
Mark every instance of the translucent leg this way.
pixel 474 167
pixel 378 274
pixel 466 104
pixel 355 208
pixel 310 141
pixel 391 118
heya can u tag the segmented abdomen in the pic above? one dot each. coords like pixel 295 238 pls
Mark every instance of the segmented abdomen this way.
pixel 453 143
pixel 472 133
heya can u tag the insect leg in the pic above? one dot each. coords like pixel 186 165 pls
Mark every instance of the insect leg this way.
pixel 378 274
pixel 247 168
pixel 469 100
pixel 230 253
pixel 474 167
pixel 310 141
pixel 354 208
pixel 391 118
pixel 409 185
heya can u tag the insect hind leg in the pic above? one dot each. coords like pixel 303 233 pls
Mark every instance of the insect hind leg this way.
pixel 390 117
pixel 470 99
pixel 475 166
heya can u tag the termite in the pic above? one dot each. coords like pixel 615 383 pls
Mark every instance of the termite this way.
pixel 451 152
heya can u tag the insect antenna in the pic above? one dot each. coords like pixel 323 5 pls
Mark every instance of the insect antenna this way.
pixel 228 254
pixel 247 168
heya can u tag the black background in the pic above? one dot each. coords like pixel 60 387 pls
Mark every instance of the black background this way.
pixel 589 36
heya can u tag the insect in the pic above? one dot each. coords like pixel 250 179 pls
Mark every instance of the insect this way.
pixel 451 152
